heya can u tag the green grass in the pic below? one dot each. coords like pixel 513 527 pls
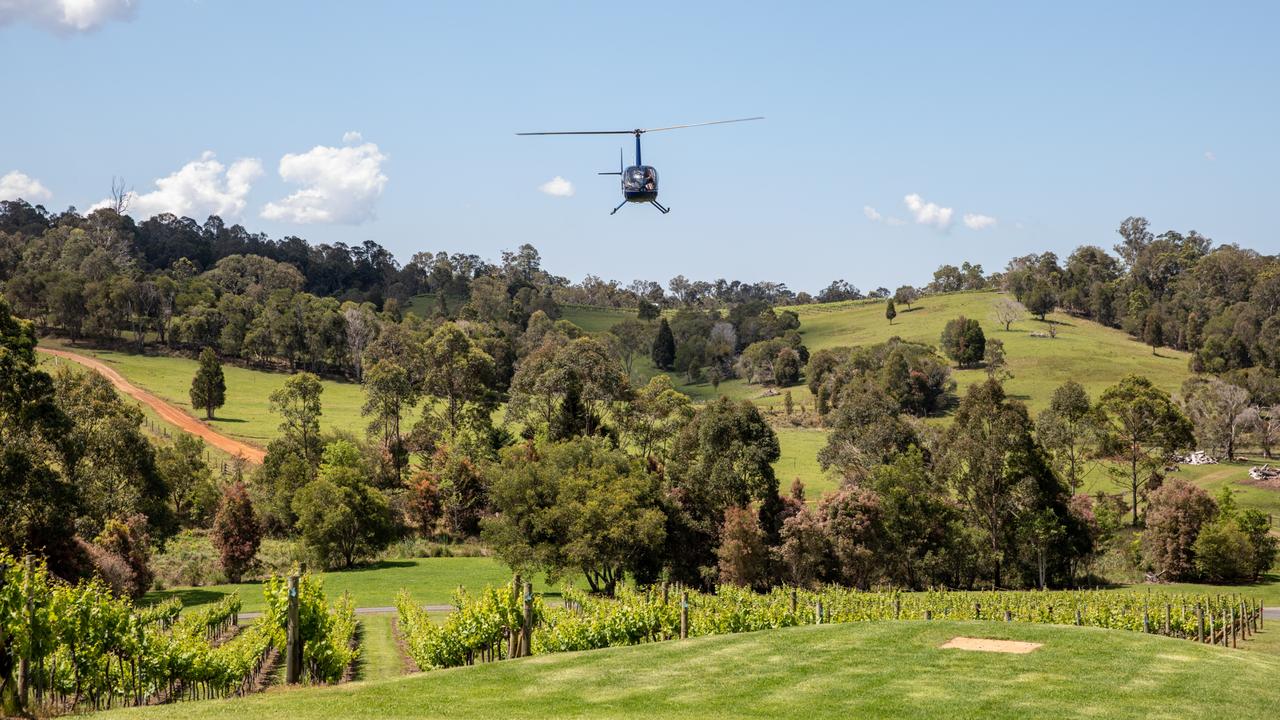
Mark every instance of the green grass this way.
pixel 246 415
pixel 799 458
pixel 431 580
pixel 1212 478
pixel 379 657
pixel 595 319
pixel 885 669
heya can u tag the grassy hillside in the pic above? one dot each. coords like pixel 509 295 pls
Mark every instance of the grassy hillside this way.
pixel 246 415
pixel 856 670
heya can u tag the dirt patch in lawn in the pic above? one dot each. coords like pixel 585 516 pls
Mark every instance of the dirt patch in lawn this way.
pixel 989 645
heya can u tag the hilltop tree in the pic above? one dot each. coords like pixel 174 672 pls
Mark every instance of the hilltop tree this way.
pixel 889 311
pixel 963 341
pixel 1008 311
pixel 236 531
pixel 1146 426
pixel 663 351
pixel 208 387
pixel 906 295
pixel 1041 300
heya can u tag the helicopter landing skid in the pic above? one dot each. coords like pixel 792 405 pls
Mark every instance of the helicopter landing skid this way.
pixel 663 209
pixel 615 210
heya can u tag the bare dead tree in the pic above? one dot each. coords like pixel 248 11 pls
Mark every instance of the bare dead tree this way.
pixel 121 194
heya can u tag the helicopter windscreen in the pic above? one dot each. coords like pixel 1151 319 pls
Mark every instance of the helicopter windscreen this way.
pixel 642 178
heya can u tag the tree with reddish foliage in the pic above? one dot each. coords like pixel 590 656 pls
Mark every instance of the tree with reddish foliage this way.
pixel 743 552
pixel 805 550
pixel 852 518
pixel 1176 512
pixel 424 502
pixel 128 540
pixel 236 532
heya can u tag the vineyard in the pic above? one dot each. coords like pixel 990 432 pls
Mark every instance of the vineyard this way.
pixel 487 626
pixel 78 647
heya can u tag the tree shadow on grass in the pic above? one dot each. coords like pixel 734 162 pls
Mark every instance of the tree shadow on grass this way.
pixel 189 596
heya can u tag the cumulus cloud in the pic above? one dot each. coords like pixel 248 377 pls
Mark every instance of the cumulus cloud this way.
pixel 871 213
pixel 973 221
pixel 66 16
pixel 557 187
pixel 339 184
pixel 927 213
pixel 18 185
pixel 198 189
pixel 352 137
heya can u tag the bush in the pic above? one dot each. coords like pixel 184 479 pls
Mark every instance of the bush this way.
pixel 189 558
pixel 128 540
pixel 236 532
pixel 1175 514
pixel 964 342
pixel 1222 552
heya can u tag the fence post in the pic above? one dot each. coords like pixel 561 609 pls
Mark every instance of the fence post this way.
pixel 1079 620
pixel 897 608
pixel 666 591
pixel 513 635
pixel 1232 614
pixel 793 601
pixel 684 615
pixel 1199 623
pixel 977 610
pixel 1168 619
pixel 1007 616
pixel 526 635
pixel 817 612
pixel 928 614
pixel 293 636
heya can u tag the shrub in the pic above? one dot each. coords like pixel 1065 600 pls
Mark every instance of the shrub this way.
pixel 1175 514
pixel 128 540
pixel 743 555
pixel 236 532
pixel 963 341
pixel 1222 552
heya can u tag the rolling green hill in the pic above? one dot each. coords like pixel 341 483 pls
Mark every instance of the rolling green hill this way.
pixel 889 669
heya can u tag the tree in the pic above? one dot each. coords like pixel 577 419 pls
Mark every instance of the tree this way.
pixel 577 506
pixel 906 295
pixel 127 539
pixel 1041 300
pixel 389 394
pixel 743 553
pixel 298 403
pixel 994 360
pixel 963 341
pixel 1266 428
pixel 1153 331
pixel 1220 412
pixel 1068 429
pixel 192 493
pixel 1008 311
pixel 786 367
pixel 663 351
pixel 236 531
pixel 1146 426
pixel 634 337
pixel 805 550
pixel 459 373
pixel 851 518
pixel 340 516
pixel 890 312
pixel 655 414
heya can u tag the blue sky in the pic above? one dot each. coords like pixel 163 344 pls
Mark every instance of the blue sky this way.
pixel 1045 123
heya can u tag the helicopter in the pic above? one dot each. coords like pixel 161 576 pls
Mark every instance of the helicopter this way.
pixel 640 181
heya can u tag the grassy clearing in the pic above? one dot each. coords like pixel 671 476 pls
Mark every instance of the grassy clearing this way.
pixel 431 580
pixel 886 669
pixel 1212 478
pixel 595 319
pixel 379 657
pixel 799 459
pixel 246 415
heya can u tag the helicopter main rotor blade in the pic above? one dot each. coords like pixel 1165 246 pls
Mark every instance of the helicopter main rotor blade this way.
pixel 586 132
pixel 717 122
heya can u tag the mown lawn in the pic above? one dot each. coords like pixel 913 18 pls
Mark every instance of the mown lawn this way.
pixel 432 581
pixel 887 669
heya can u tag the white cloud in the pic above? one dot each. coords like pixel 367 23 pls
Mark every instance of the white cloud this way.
pixel 558 187
pixel 927 213
pixel 895 221
pixel 197 190
pixel 1208 155
pixel 66 16
pixel 18 185
pixel 973 221
pixel 339 184
pixel 352 137
pixel 872 214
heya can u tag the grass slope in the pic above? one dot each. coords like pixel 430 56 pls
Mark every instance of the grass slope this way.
pixel 431 580
pixel 857 670
pixel 246 415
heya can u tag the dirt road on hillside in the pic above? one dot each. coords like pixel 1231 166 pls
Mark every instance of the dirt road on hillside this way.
pixel 167 411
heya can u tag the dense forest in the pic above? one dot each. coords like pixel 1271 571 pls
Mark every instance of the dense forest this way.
pixel 491 418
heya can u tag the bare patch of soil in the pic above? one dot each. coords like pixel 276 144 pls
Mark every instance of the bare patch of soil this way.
pixel 989 645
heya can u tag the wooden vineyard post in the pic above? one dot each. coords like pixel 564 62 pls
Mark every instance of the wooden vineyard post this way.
pixel 928 614
pixel 666 591
pixel 1079 620
pixel 1168 618
pixel 684 615
pixel 793 601
pixel 1007 616
pixel 526 632
pixel 897 608
pixel 977 610
pixel 513 637
pixel 293 637
pixel 1199 623
pixel 1232 616
pixel 24 662
pixel 817 612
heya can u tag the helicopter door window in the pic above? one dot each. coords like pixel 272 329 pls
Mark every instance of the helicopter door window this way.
pixel 635 180
pixel 650 179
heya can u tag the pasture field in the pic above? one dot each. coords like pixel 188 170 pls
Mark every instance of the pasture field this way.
pixel 884 669
pixel 432 580
pixel 246 415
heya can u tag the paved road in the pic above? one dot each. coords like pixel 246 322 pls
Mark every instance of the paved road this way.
pixel 386 610
pixel 169 412
pixel 1271 613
